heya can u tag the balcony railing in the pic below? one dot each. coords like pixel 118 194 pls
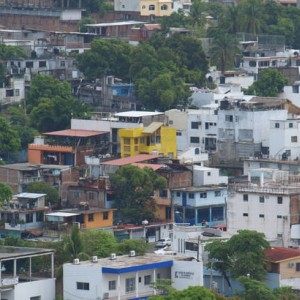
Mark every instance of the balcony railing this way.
pixel 266 190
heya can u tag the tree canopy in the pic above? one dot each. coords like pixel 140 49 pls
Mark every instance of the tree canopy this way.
pixel 133 190
pixel 242 255
pixel 6 193
pixel 270 83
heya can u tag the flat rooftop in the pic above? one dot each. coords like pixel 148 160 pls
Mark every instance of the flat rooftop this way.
pixel 30 195
pixel 32 167
pixel 76 133
pixel 138 114
pixel 8 253
pixel 202 188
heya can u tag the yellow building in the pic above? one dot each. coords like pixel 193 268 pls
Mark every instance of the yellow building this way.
pixel 155 138
pixel 158 8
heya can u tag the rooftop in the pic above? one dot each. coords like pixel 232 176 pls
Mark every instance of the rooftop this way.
pixel 30 195
pixel 130 160
pixel 112 24
pixel 280 254
pixel 32 167
pixel 138 114
pixel 76 133
pixel 201 188
pixel 8 253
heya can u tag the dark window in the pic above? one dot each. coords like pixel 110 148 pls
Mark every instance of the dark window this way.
pixel 147 279
pixel 163 193
pixel 261 215
pixel 195 139
pixel 194 125
pixel 245 197
pixel 294 139
pixel 298 267
pixel 39 216
pixel 83 286
pixel 29 218
pixel 277 125
pixel 203 195
pixel 9 93
pixel 29 64
pixel 105 215
pixel 178 133
pixel 291 125
pixel 177 194
pixel 208 173
pixel 279 200
pixel 279 217
pixel 229 118
pixel 151 7
pixel 217 193
pixel 42 64
pixel 197 151
pixel 76 194
pixel 261 199
pixel 90 217
pixel 245 214
pixel 164 7
pixel 191 195
pixel 91 196
pixel 191 246
pixel 112 285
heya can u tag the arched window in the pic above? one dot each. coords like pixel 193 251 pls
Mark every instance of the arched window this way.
pixel 164 7
pixel 197 151
pixel 151 7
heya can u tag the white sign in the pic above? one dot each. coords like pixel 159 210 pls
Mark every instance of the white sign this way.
pixel 10 281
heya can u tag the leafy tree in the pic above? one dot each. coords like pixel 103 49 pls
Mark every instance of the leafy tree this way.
pixel 285 293
pixel 196 16
pixel 133 191
pixel 269 84
pixel 51 105
pixel 83 22
pixel 176 19
pixel 98 242
pixel 6 193
pixel 11 52
pixel 9 139
pixel 44 188
pixel 243 254
pixel 139 246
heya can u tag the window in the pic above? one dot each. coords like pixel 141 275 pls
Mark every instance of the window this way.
pixel 136 141
pixel 42 64
pixel 217 193
pixel 261 199
pixel 178 133
pixel 35 298
pixel 277 125
pixel 294 139
pixel 163 193
pixel 127 141
pixel 298 267
pixel 40 216
pixel 194 125
pixel 105 215
pixel 9 93
pixel 197 151
pixel 76 195
pixel 252 63
pixel 152 7
pixel 62 63
pixel 245 197
pixel 291 125
pixel 245 214
pixel 112 285
pixel 208 173
pixel 29 64
pixel 279 200
pixel 90 217
pixel 17 92
pixel 130 285
pixel 29 218
pixel 147 279
pixel 279 217
pixel 91 196
pixel 195 139
pixel 261 215
pixel 164 7
pixel 191 195
pixel 177 194
pixel 83 286
pixel 203 195
pixel 229 118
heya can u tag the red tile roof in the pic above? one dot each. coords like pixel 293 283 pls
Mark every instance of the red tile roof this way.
pixel 280 254
pixel 76 133
pixel 130 160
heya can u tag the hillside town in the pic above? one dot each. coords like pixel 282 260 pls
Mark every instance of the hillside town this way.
pixel 149 149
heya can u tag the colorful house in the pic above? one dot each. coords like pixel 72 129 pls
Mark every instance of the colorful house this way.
pixel 153 139
pixel 157 8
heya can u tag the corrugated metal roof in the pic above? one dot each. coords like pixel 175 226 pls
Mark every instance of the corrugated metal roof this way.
pixel 153 127
pixel 130 160
pixel 76 133
pixel 154 167
pixel 30 195
pixel 280 254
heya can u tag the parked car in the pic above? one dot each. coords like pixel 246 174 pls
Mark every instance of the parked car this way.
pixel 163 242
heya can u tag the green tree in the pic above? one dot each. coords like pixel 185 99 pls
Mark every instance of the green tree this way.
pixel 139 246
pixel 11 52
pixel 133 191
pixel 243 254
pixel 83 22
pixel 6 193
pixel 285 293
pixel 196 16
pixel 9 139
pixel 270 83
pixel 98 242
pixel 51 192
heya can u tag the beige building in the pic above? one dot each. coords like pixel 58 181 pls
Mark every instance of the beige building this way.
pixel 157 8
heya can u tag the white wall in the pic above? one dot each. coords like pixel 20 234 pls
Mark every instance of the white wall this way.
pixel 207 176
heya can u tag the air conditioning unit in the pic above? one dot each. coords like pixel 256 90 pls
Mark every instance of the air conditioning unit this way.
pixel 113 256
pixel 105 296
pixel 95 259
pixel 76 261
pixel 291 265
pixel 131 253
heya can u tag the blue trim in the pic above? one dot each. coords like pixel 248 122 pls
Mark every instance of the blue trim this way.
pixel 162 264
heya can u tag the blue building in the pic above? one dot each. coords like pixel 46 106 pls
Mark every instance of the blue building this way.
pixel 200 205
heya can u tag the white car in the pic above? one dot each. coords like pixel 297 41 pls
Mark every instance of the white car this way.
pixel 163 242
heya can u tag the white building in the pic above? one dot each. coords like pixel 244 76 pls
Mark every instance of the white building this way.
pixel 24 281
pixel 284 139
pixel 14 91
pixel 207 176
pixel 195 128
pixel 128 276
pixel 267 204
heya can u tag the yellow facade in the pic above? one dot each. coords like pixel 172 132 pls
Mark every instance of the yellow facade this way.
pixel 158 8
pixel 152 139
pixel 98 219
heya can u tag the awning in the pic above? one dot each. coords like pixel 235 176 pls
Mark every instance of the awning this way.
pixel 153 127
